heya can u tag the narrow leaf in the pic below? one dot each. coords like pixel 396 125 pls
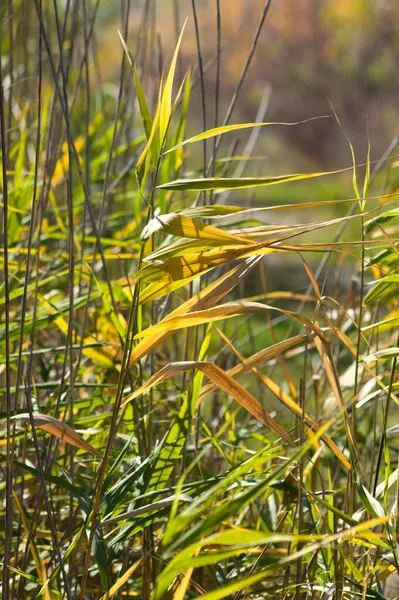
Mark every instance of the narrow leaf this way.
pixel 212 294
pixel 166 103
pixel 232 183
pixel 216 131
pixel 122 580
pixel 224 381
pixel 60 430
pixel 182 226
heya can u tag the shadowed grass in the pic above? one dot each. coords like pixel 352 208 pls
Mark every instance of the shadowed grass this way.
pixel 189 409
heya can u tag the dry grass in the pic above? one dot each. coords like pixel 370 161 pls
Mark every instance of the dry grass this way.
pixel 180 417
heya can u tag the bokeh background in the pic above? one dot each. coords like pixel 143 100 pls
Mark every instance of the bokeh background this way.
pixel 312 58
pixel 310 53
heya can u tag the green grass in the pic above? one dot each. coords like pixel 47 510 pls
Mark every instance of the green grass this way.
pixel 196 402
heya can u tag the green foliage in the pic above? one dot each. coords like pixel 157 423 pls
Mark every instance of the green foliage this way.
pixel 183 416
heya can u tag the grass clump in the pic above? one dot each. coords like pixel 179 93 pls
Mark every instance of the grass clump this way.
pixel 180 418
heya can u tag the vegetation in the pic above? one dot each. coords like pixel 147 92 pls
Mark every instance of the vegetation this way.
pixel 199 385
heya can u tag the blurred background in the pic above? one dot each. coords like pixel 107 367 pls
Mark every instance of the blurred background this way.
pixel 312 58
pixel 309 53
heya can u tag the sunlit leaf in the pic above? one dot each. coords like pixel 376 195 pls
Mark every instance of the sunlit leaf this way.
pixel 59 429
pixel 216 131
pixel 122 580
pixel 224 381
pixel 182 226
pixel 212 294
pixel 166 102
pixel 231 183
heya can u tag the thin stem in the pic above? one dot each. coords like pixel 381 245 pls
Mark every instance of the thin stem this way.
pixel 9 442
pixel 202 80
pixel 244 72
pixel 217 87
pixel 385 422
pixel 49 511
pixel 130 333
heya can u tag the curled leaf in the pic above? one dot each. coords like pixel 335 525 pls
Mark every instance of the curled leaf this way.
pixel 222 380
pixel 59 429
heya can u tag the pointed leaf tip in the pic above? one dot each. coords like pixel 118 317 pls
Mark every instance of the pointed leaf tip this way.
pixel 59 429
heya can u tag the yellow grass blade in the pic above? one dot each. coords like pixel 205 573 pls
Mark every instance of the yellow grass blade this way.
pixel 180 592
pixel 60 430
pixel 206 298
pixel 289 403
pixel 181 267
pixel 216 131
pixel 257 360
pixel 181 226
pixel 166 102
pixel 217 313
pixel 122 580
pixel 222 380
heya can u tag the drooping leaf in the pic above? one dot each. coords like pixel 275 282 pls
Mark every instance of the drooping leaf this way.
pixel 212 294
pixel 59 429
pixel 257 360
pixel 196 263
pixel 216 131
pixel 226 383
pixel 216 313
pixel 290 404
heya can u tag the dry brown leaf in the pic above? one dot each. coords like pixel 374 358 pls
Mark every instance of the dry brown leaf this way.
pixel 222 380
pixel 59 429
pixel 289 403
